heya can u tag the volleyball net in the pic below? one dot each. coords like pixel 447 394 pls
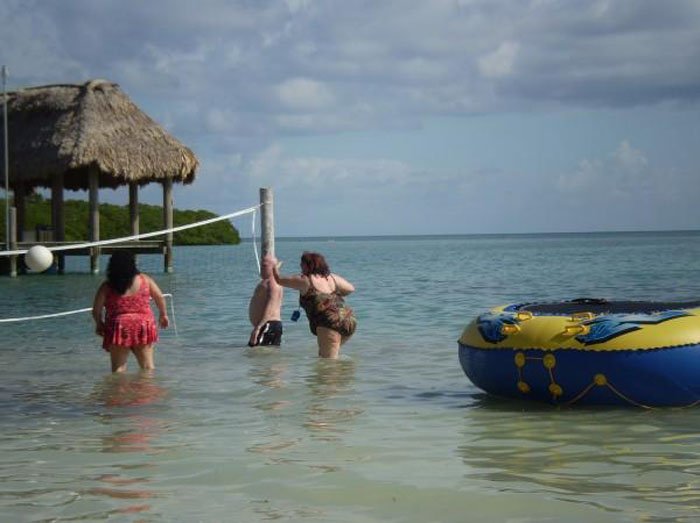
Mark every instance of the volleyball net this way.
pixel 124 239
pixel 18 252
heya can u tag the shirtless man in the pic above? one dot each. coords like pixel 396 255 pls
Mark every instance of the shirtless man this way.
pixel 264 307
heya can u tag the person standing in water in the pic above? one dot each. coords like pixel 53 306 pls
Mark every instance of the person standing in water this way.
pixel 128 324
pixel 264 307
pixel 321 295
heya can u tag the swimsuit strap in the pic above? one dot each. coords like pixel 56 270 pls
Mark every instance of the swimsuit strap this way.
pixel 311 285
pixel 144 283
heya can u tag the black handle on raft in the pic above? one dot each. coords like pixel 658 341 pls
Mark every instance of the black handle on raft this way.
pixel 590 301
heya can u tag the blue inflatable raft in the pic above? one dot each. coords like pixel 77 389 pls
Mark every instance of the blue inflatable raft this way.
pixel 587 351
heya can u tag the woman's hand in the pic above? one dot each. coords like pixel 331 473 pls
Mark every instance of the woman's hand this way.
pixel 100 328
pixel 164 321
pixel 276 270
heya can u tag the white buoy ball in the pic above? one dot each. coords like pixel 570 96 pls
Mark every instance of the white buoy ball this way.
pixel 38 258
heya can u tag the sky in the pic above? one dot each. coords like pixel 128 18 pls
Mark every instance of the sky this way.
pixel 378 117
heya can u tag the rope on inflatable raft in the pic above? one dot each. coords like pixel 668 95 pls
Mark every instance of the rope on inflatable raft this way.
pixel 518 329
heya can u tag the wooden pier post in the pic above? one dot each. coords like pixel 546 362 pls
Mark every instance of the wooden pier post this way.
pixel 134 208
pixel 168 219
pixel 13 241
pixel 94 219
pixel 58 223
pixel 20 204
pixel 267 221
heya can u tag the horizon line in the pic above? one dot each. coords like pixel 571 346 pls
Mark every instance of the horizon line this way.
pixel 428 235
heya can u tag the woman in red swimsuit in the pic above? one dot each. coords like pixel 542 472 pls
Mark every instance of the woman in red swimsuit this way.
pixel 128 324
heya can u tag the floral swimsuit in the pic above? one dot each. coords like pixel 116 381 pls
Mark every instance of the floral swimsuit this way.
pixel 129 321
pixel 328 310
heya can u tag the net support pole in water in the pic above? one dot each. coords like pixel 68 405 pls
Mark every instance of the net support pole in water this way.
pixel 168 221
pixel 57 217
pixel 94 219
pixel 13 241
pixel 267 222
pixel 6 157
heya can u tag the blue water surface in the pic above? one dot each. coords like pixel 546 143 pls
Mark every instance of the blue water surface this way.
pixel 393 431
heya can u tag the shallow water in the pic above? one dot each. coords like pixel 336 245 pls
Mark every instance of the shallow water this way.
pixel 393 431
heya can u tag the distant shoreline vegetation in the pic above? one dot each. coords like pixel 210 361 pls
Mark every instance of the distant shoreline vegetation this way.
pixel 114 222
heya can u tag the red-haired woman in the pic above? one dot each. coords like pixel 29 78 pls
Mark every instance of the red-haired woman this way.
pixel 321 295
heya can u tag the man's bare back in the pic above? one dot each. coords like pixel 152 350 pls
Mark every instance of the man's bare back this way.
pixel 264 308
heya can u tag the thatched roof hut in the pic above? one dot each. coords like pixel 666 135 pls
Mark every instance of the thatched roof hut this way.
pixel 69 129
pixel 88 136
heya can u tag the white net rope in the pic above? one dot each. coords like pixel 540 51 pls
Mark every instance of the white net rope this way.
pixel 78 311
pixel 139 236
pixel 250 210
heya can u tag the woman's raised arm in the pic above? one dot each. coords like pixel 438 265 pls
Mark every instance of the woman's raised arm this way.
pixel 293 281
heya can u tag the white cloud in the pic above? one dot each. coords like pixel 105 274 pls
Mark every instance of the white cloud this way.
pixel 30 44
pixel 587 174
pixel 625 175
pixel 304 94
pixel 220 121
pixel 233 77
pixel 500 62
pixel 412 59
pixel 297 5
pixel 630 158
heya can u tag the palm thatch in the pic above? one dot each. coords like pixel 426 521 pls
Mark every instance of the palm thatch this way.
pixel 70 129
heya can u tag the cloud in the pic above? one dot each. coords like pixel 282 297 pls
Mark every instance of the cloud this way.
pixel 630 158
pixel 500 62
pixel 304 94
pixel 625 190
pixel 336 196
pixel 233 78
pixel 623 175
pixel 301 55
pixel 29 58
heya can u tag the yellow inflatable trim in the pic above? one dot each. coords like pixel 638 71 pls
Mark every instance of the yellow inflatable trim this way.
pixel 560 332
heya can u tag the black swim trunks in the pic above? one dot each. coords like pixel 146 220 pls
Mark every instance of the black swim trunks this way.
pixel 270 333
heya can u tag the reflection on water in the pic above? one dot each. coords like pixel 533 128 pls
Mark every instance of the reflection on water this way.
pixel 130 410
pixel 267 368
pixel 331 377
pixel 128 390
pixel 648 466
pixel 331 388
pixel 270 373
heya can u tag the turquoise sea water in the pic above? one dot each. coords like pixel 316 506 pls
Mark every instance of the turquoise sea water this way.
pixel 393 431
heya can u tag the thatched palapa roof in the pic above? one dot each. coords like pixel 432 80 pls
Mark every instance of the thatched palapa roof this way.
pixel 67 129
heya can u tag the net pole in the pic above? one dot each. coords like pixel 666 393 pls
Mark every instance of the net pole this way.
pixel 267 221
pixel 7 159
pixel 13 241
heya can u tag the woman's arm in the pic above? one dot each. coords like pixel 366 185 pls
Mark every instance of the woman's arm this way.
pixel 342 286
pixel 157 296
pixel 293 281
pixel 97 306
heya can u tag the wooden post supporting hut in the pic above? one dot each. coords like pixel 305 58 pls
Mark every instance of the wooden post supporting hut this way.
pixel 89 137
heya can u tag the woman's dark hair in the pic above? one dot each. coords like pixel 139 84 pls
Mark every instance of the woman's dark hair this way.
pixel 121 270
pixel 315 264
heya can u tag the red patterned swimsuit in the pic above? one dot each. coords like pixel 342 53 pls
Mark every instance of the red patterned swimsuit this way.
pixel 130 321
